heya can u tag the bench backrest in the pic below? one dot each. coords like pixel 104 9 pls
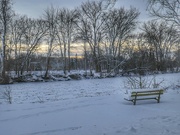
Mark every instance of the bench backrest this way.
pixel 147 93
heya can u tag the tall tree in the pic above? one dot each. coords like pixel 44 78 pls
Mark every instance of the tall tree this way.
pixel 92 12
pixel 16 31
pixel 6 14
pixel 66 31
pixel 162 39
pixel 34 31
pixel 119 23
pixel 50 17
pixel 83 35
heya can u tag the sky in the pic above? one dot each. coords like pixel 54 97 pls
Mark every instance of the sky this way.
pixel 35 8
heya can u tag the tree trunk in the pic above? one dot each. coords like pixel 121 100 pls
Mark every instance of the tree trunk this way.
pixel 3 73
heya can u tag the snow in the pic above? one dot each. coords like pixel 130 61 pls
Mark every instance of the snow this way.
pixel 88 107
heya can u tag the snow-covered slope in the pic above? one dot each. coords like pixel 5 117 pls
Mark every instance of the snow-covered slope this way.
pixel 88 107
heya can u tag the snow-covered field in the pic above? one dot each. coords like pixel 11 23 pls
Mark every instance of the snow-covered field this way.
pixel 88 107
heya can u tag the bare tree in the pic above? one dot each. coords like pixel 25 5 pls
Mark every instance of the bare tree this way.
pixel 162 39
pixel 168 10
pixel 119 23
pixel 92 12
pixel 6 14
pixel 83 28
pixel 16 35
pixel 34 32
pixel 66 29
pixel 50 16
pixel 26 35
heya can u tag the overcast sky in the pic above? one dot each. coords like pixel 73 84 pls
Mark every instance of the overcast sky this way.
pixel 35 8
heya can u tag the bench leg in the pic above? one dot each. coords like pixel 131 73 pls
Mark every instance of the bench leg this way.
pixel 158 100
pixel 134 101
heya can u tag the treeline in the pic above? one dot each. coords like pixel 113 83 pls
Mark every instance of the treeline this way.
pixel 111 39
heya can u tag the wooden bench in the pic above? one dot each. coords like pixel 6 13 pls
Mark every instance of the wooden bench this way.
pixel 145 95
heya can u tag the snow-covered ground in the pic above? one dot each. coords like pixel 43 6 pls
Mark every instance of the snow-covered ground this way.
pixel 88 107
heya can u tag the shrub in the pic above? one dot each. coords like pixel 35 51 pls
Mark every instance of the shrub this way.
pixel 5 80
pixel 142 82
pixel 7 95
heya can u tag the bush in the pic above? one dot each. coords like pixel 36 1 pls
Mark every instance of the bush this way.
pixel 5 80
pixel 75 76
pixel 7 95
pixel 142 82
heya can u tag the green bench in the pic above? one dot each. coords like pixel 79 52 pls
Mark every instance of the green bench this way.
pixel 145 95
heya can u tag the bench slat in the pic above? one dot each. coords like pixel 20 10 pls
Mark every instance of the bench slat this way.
pixel 146 94
pixel 149 91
